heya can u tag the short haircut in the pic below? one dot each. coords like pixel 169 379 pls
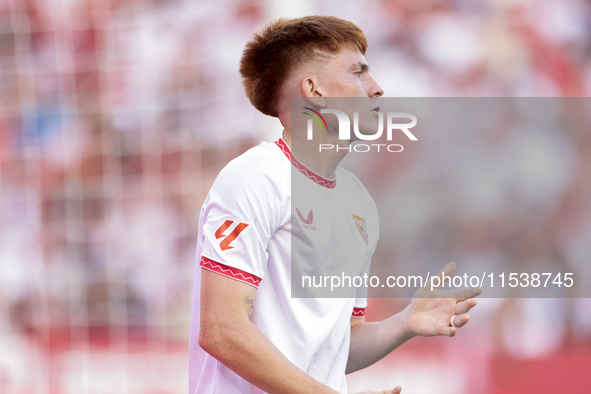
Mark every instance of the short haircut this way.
pixel 283 45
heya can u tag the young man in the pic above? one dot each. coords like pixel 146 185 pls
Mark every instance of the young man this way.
pixel 248 335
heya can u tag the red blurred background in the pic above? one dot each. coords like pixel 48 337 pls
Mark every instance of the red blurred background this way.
pixel 114 123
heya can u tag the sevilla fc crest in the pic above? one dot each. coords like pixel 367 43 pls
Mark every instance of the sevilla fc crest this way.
pixel 361 226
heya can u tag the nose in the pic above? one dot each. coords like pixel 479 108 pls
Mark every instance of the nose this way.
pixel 375 89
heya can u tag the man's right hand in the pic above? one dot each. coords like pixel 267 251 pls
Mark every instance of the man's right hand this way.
pixel 395 390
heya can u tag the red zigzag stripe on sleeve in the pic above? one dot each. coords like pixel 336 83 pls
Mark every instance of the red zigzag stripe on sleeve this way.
pixel 358 312
pixel 230 272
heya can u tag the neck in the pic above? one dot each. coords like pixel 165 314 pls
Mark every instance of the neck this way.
pixel 307 152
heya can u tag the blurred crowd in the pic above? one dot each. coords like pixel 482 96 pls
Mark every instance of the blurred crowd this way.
pixel 116 116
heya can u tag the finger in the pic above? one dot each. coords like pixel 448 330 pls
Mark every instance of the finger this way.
pixel 461 320
pixel 395 390
pixel 464 306
pixel 465 294
pixel 449 331
pixel 447 271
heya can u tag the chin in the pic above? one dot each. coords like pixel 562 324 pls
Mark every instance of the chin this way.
pixel 369 127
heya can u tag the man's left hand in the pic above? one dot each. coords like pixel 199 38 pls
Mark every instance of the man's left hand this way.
pixel 431 309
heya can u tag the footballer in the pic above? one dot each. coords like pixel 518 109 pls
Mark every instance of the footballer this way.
pixel 248 335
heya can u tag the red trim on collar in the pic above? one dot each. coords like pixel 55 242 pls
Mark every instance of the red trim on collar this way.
pixel 328 183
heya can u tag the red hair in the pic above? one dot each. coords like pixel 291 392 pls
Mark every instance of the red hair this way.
pixel 283 45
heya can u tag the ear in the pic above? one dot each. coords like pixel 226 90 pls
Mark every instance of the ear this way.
pixel 311 91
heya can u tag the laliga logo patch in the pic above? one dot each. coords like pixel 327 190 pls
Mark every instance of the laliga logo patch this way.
pixel 228 238
pixel 361 226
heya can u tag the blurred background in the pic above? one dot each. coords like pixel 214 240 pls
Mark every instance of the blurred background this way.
pixel 114 122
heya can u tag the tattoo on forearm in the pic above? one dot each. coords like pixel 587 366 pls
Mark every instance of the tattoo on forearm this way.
pixel 250 301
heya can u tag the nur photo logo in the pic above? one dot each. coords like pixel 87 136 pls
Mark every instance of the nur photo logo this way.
pixel 392 123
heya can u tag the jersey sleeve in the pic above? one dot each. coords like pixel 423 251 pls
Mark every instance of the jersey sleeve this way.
pixel 359 308
pixel 237 220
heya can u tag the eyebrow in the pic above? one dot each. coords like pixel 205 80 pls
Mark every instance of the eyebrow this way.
pixel 363 66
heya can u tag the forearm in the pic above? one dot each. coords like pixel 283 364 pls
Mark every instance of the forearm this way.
pixel 246 351
pixel 370 342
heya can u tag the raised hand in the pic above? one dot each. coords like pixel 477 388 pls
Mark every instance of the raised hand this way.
pixel 431 310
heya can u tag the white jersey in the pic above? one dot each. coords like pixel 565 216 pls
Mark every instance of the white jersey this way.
pixel 246 227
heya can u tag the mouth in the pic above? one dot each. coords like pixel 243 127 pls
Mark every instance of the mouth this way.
pixel 376 109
